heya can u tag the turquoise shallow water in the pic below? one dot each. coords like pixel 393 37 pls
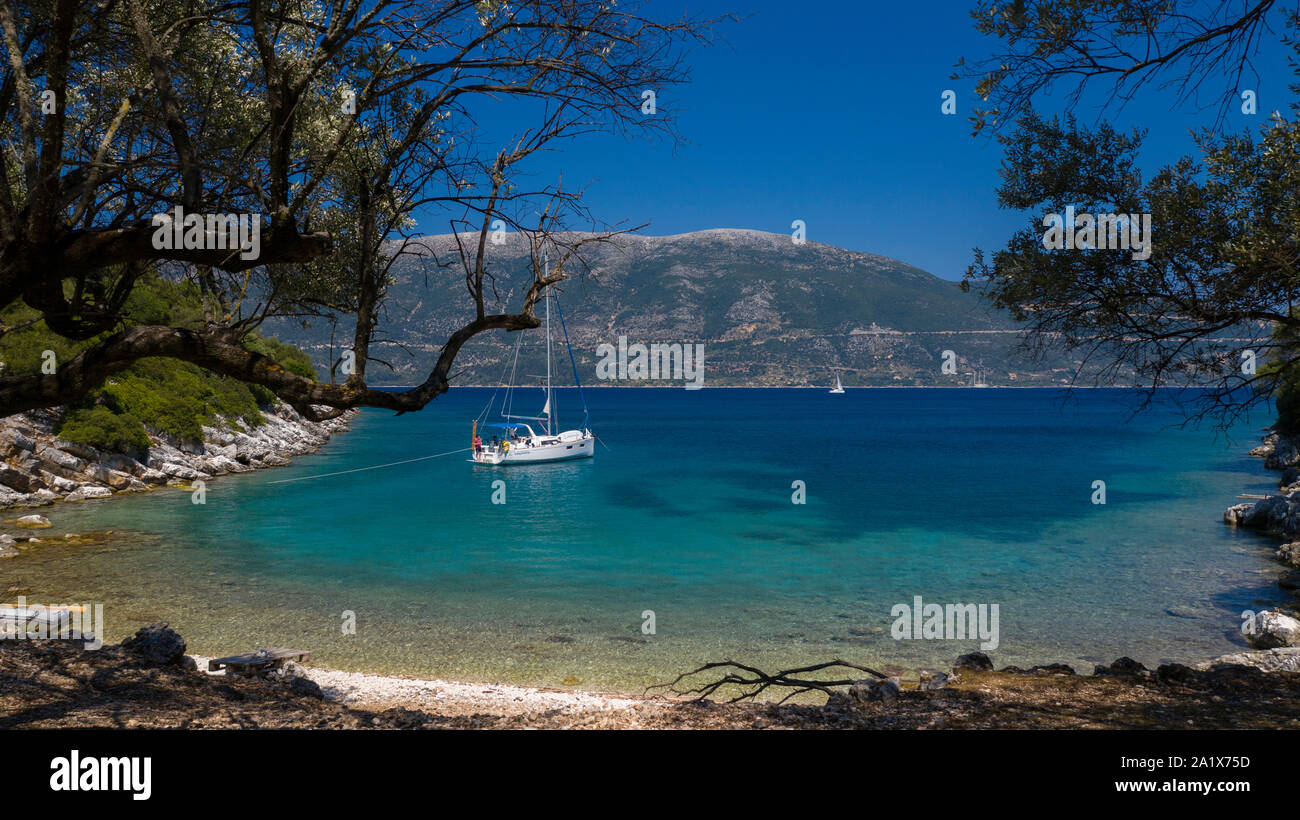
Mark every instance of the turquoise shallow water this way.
pixel 959 496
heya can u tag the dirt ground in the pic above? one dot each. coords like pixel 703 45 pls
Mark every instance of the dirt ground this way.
pixel 47 684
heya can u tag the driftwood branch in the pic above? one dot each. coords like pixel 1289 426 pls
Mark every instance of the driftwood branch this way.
pixel 752 681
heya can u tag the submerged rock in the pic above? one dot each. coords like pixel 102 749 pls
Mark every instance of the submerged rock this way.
pixel 34 522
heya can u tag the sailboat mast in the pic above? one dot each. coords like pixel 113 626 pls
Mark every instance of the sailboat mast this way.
pixel 550 414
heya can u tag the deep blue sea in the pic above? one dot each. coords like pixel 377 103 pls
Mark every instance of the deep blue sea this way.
pixel 957 495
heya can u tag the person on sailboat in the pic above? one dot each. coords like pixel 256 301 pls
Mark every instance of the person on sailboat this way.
pixel 478 444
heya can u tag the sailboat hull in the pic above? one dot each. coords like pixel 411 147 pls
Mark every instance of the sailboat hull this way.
pixel 520 454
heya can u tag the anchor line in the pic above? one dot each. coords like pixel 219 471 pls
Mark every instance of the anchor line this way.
pixel 375 467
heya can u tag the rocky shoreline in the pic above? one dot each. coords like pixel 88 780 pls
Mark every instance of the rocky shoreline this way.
pixel 1277 630
pixel 37 468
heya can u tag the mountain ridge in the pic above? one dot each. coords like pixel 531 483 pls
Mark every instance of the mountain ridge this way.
pixel 770 312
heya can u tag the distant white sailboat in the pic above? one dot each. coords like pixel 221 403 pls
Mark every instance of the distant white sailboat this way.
pixel 518 442
pixel 838 388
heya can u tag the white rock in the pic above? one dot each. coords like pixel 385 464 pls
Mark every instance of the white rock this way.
pixel 60 483
pixel 34 522
pixel 224 464
pixel 1282 659
pixel 180 471
pixel 89 491
pixel 1274 629
pixel 123 464
pixel 58 458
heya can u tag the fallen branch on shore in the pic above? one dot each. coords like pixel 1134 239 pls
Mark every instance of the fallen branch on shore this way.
pixel 753 681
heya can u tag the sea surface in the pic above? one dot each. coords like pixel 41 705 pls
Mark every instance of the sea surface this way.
pixel 687 511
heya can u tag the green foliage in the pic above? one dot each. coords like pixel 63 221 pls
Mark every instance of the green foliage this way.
pixel 178 398
pixel 23 348
pixel 100 427
pixel 288 356
pixel 1286 400
pixel 165 395
pixel 153 301
pixel 1221 279
pixel 1280 378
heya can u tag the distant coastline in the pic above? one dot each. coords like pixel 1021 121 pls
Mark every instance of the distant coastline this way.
pixel 822 388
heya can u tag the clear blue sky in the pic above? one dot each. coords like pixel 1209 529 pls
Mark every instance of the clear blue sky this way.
pixel 830 113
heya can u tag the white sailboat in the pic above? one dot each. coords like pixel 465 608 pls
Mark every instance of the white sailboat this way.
pixel 518 442
pixel 838 388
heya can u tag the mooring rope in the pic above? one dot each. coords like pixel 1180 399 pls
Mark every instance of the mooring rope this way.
pixel 376 467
